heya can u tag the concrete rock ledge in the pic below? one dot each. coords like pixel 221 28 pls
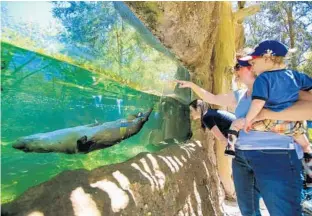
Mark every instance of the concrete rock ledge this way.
pixel 178 180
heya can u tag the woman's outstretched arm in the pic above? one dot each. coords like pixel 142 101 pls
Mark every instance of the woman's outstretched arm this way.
pixel 220 99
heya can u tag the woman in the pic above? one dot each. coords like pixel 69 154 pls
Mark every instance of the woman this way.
pixel 259 166
pixel 219 122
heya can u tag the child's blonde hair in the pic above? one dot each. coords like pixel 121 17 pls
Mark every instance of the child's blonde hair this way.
pixel 277 60
pixel 280 60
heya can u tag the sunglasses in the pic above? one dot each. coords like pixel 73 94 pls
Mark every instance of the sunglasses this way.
pixel 237 67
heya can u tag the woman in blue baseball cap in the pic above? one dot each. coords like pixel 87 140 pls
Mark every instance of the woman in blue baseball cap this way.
pixel 265 163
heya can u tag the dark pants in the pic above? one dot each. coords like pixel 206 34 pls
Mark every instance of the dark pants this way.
pixel 275 174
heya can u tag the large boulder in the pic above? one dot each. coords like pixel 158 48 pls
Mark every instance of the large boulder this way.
pixel 178 180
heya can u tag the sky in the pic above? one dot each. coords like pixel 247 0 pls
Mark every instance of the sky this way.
pixel 32 11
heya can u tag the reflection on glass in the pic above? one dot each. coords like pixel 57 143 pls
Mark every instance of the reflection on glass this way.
pixel 68 64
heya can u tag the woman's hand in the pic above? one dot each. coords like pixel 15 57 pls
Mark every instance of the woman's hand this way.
pixel 184 84
pixel 238 124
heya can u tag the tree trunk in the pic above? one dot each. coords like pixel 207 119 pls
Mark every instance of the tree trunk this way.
pixel 292 36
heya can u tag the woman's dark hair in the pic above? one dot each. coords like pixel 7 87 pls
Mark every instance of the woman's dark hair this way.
pixel 197 103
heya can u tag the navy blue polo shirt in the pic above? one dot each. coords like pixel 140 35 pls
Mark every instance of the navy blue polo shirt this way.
pixel 280 88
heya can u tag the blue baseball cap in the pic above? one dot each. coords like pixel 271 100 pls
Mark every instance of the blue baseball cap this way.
pixel 273 47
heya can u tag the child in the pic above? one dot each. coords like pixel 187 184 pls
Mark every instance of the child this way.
pixel 217 121
pixel 276 88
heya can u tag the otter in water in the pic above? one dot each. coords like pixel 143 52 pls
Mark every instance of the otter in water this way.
pixel 84 139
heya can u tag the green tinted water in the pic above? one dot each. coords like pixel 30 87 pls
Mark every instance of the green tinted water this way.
pixel 41 94
pixel 44 90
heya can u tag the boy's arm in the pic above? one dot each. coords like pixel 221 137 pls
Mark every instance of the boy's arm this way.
pixel 254 110
pixel 260 94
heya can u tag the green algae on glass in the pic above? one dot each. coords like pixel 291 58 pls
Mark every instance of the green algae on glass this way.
pixel 42 94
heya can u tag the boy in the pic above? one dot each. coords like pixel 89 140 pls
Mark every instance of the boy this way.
pixel 276 88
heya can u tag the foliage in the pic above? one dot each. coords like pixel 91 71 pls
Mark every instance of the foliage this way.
pixel 288 22
pixel 94 36
pixel 114 44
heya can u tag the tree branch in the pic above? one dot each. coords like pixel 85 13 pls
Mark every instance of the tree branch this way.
pixel 242 13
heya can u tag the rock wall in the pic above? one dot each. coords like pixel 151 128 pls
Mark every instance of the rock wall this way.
pixel 204 36
pixel 192 31
pixel 179 180
pixel 187 29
